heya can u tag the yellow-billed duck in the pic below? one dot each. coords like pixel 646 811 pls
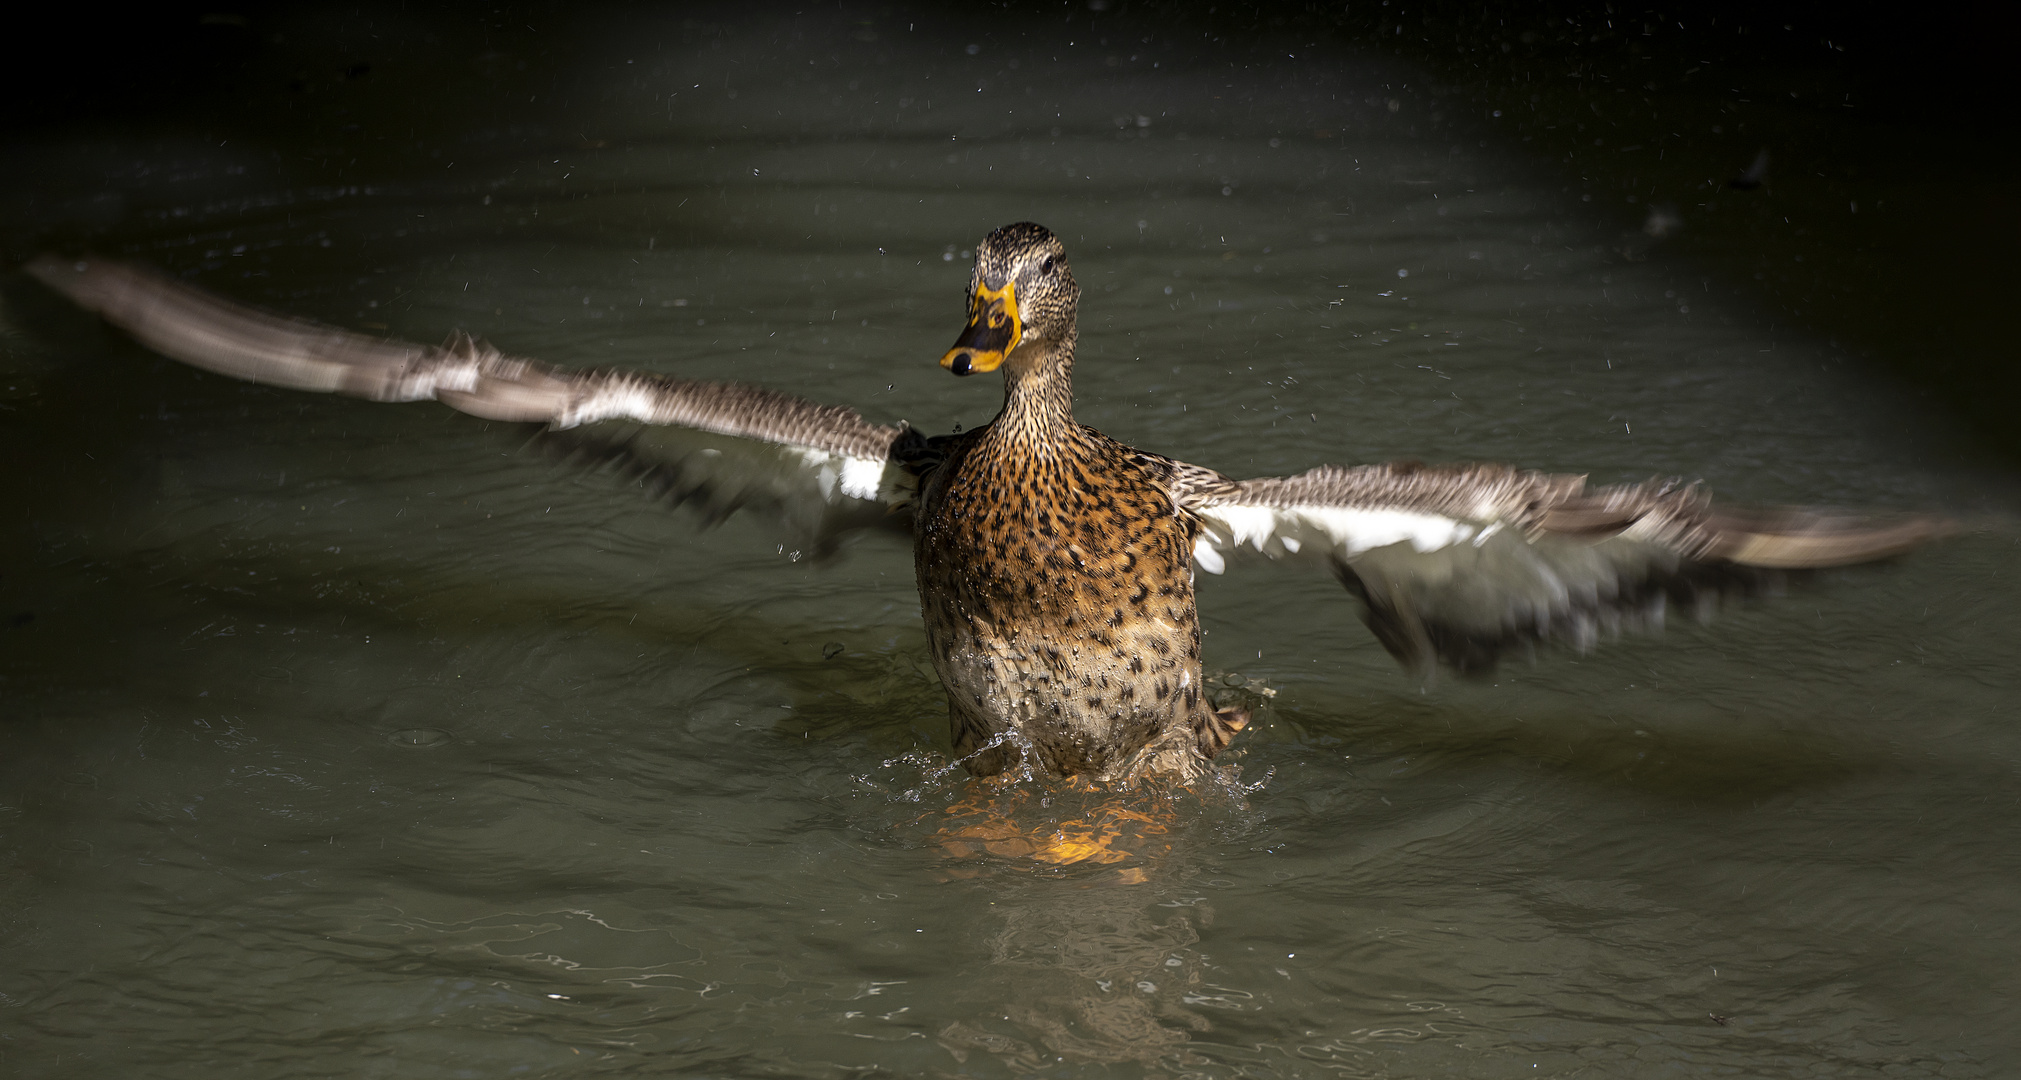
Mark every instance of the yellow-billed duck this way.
pixel 1055 565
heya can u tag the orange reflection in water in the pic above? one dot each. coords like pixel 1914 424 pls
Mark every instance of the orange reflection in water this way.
pixel 1108 824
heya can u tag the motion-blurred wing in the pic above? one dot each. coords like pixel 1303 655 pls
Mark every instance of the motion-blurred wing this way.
pixel 1459 563
pixel 720 446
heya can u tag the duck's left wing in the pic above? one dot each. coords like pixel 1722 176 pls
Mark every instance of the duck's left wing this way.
pixel 719 446
pixel 1459 563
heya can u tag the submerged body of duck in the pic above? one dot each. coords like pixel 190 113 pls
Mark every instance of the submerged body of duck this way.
pixel 1055 565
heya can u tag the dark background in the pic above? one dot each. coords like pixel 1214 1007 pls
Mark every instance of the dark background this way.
pixel 1886 222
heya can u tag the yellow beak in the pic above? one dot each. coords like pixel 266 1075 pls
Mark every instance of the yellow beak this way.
pixel 994 329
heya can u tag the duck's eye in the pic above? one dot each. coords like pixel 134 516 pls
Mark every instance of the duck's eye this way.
pixel 1047 266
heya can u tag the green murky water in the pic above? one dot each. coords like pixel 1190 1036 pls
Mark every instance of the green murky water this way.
pixel 341 739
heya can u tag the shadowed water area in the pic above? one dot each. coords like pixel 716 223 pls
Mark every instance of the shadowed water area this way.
pixel 348 739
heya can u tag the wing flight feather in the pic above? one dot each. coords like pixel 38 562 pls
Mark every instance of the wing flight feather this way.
pixel 822 466
pixel 1460 563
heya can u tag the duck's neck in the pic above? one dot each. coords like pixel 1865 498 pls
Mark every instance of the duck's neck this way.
pixel 1038 400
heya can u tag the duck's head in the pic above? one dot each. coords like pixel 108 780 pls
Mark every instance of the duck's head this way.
pixel 1021 297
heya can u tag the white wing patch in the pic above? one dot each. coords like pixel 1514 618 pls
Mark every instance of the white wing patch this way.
pixel 622 401
pixel 840 476
pixel 855 478
pixel 1340 530
pixel 863 478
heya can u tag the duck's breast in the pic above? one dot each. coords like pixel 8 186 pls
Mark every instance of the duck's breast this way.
pixel 1057 593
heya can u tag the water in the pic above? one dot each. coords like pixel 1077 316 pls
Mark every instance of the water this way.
pixel 351 739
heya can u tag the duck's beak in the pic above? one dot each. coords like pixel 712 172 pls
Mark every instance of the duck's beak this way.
pixel 994 329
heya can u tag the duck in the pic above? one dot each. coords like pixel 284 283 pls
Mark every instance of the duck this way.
pixel 1055 565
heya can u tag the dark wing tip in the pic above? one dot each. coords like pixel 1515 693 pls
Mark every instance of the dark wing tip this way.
pixel 186 323
pixel 91 283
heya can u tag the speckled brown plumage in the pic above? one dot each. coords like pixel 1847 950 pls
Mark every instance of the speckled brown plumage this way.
pixel 1055 568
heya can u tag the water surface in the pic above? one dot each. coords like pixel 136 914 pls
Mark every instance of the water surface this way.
pixel 354 739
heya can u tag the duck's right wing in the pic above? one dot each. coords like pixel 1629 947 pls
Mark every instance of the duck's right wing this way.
pixel 1459 564
pixel 718 446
